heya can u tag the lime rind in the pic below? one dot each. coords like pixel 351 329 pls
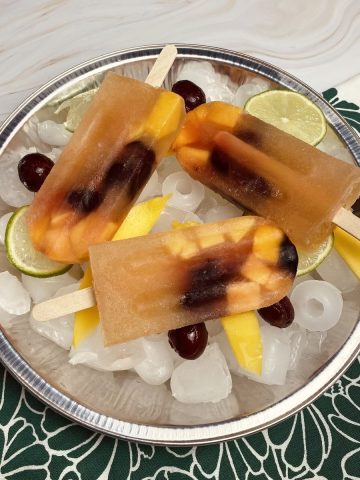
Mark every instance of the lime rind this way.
pixel 78 88
pixel 291 112
pixel 308 262
pixel 21 253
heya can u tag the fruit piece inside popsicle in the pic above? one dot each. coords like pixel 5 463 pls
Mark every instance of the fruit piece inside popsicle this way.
pixel 169 280
pixel 127 129
pixel 266 170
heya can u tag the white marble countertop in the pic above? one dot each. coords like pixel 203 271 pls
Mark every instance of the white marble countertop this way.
pixel 316 40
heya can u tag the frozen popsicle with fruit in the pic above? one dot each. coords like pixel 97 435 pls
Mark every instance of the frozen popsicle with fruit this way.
pixel 129 126
pixel 160 282
pixel 269 172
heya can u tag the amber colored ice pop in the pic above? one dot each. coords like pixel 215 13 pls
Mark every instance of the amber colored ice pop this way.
pixel 127 129
pixel 267 171
pixel 164 281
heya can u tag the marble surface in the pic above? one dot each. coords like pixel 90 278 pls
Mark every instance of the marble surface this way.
pixel 316 40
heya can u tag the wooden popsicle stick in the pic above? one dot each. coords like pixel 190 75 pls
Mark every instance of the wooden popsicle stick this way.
pixel 162 66
pixel 69 303
pixel 346 220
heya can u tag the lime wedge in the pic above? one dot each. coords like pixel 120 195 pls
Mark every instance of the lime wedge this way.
pixel 21 253
pixel 77 107
pixel 309 261
pixel 290 112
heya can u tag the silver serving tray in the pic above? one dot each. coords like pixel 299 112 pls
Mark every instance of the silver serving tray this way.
pixel 120 404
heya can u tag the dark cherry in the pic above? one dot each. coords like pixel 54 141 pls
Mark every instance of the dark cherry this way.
pixel 356 207
pixel 190 92
pixel 189 342
pixel 133 167
pixel 33 169
pixel 280 314
pixel 84 200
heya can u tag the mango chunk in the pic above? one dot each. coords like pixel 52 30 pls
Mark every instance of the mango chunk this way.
pixel 165 116
pixel 255 270
pixel 349 248
pixel 176 225
pixel 139 221
pixel 211 240
pixel 243 333
pixel 267 240
pixel 225 117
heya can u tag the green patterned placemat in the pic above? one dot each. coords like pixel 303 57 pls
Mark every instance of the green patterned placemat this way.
pixel 322 442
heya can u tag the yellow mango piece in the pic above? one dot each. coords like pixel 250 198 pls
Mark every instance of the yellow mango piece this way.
pixel 186 136
pixel 176 246
pixel 139 221
pixel 349 248
pixel 243 333
pixel 267 240
pixel 141 218
pixel 211 240
pixel 223 115
pixel 87 320
pixel 189 250
pixel 196 156
pixel 255 270
pixel 239 233
pixel 178 225
pixel 165 116
pixel 245 293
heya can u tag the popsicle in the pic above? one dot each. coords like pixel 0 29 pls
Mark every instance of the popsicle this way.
pixel 160 282
pixel 128 128
pixel 268 171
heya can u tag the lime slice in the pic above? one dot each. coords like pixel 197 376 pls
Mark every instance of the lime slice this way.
pixel 80 86
pixel 21 252
pixel 291 112
pixel 309 261
pixel 77 107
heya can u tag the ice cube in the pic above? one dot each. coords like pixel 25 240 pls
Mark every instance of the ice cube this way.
pixel 192 217
pixel 249 89
pixel 59 330
pixel 334 270
pixel 151 189
pixel 92 352
pixel 298 343
pixel 42 289
pixel 14 299
pixel 315 342
pixel 54 154
pixel 219 91
pixel 12 191
pixel 199 72
pixel 276 356
pixel 158 365
pixel 204 412
pixel 332 145
pixel 206 379
pixel 213 327
pixel 186 193
pixel 221 340
pixel 168 166
pixel 3 224
pixel 213 84
pixel 222 212
pixel 54 134
pixel 317 305
pixel 168 215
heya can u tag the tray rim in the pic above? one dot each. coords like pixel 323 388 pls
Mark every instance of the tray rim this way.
pixel 177 435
